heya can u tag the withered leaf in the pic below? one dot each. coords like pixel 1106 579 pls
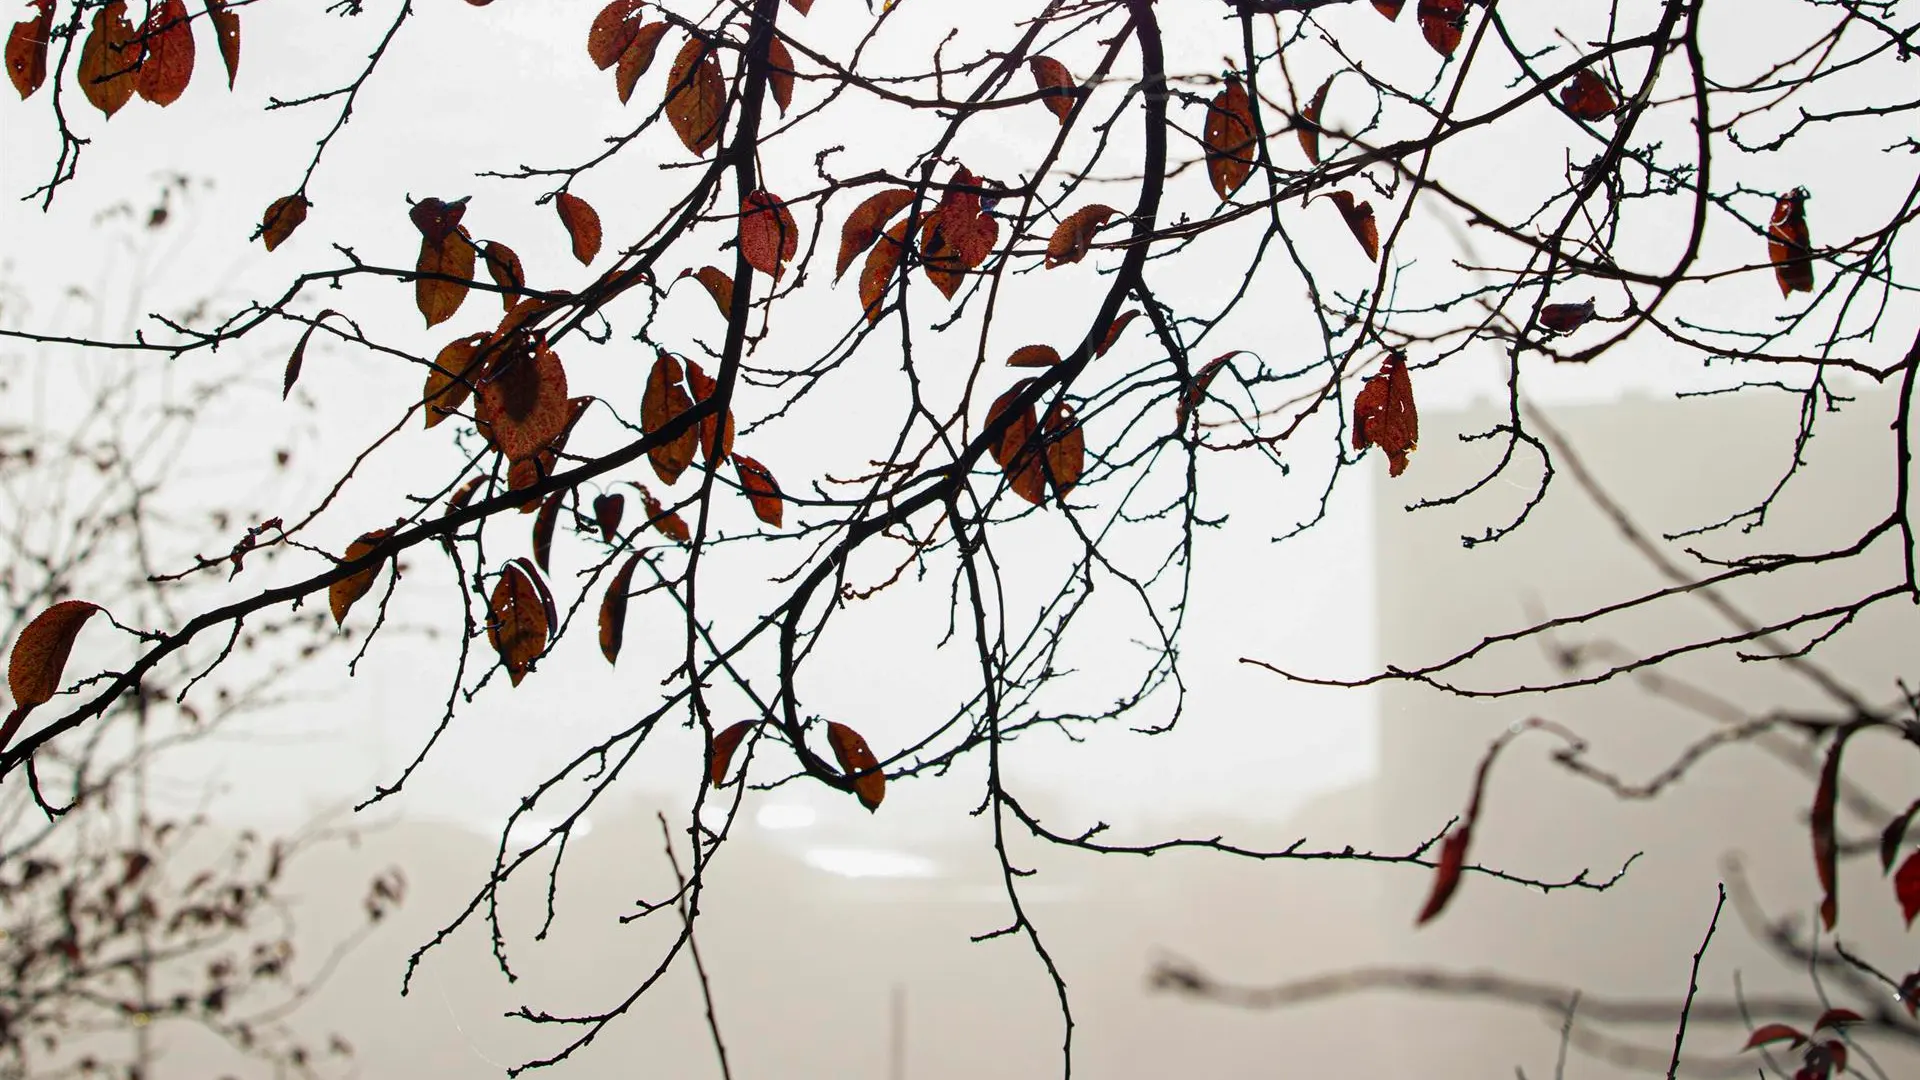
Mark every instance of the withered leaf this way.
pixel 523 406
pixel 1442 22
pixel 761 489
pixel 27 49
pixel 1196 393
pixel 960 223
pixel 1066 455
pixel 1446 876
pixel 342 593
pixel 543 525
pixel 452 260
pixel 1770 1033
pixel 858 762
pixel 638 58
pixel 1587 96
pixel 1054 81
pixel 780 74
pixel 879 269
pixel 1789 245
pixel 716 432
pixel 282 217
pixel 664 400
pixel 865 223
pixel 582 224
pixel 1565 318
pixel 1114 330
pixel 768 236
pixel 168 65
pixel 437 219
pixel 226 29
pixel 724 744
pixel 612 31
pixel 1389 8
pixel 1229 139
pixel 1073 237
pixel 613 609
pixel 1359 219
pixel 718 285
pixel 1310 121
pixel 801 6
pixel 40 652
pixel 503 266
pixel 1034 356
pixel 108 59
pixel 451 377
pixel 607 511
pixel 696 96
pixel 1017 451
pixel 1906 887
pixel 1384 414
pixel 664 521
pixel 518 620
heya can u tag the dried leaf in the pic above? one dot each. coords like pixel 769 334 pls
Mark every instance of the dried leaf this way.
pixel 1034 356
pixel 1066 449
pixel 503 266
pixel 724 744
pixel 662 402
pixel 801 6
pixel 1826 850
pixel 858 762
pixel 298 358
pixel 40 652
pixel 1384 414
pixel 1229 139
pixel 1446 876
pixel 438 297
pixel 960 223
pixel 612 31
pixel 865 223
pixel 1769 1033
pixel 1053 79
pixel 1565 318
pixel 768 236
pixel 613 609
pixel 761 489
pixel 523 406
pixel 878 271
pixel 664 521
pixel 1309 127
pixel 518 620
pixel 1587 96
pixel 716 432
pixel 1788 245
pixel 342 593
pixel 27 50
pixel 718 285
pixel 607 511
pixel 1197 392
pixel 1895 835
pixel 637 59
pixel 543 524
pixel 226 29
pixel 1442 22
pixel 168 65
pixel 451 377
pixel 1359 218
pixel 1073 237
pixel 460 498
pixel 282 217
pixel 1834 1018
pixel 696 96
pixel 108 59
pixel 1017 451
pixel 1113 331
pixel 1906 888
pixel 582 223
pixel 780 74
pixel 437 219
pixel 1389 8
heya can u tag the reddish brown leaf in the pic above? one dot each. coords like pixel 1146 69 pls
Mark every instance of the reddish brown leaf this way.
pixel 1894 835
pixel 1446 875
pixel 1198 391
pixel 865 223
pixel 960 223
pixel 613 609
pixel 724 744
pixel 1826 851
pixel 518 620
pixel 1442 22
pixel 943 264
pixel 451 377
pixel 1566 318
pixel 1034 356
pixel 168 65
pixel 696 96
pixel 1229 139
pixel 523 406
pixel 452 259
pixel 1056 82
pixel 1113 332
pixel 1788 244
pixel 27 50
pixel 1909 993
pixel 543 524
pixel 664 400
pixel 1906 887
pixel 612 31
pixel 108 59
pixel 1359 218
pixel 878 271
pixel 1770 1033
pixel 1066 449
pixel 858 762
pixel 768 236
pixel 780 74
pixel 1834 1018
pixel 298 358
pixel 226 29
pixel 801 6
pixel 40 652
pixel 582 223
pixel 667 523
pixel 437 219
pixel 1389 8
pixel 1587 96
pixel 503 266
pixel 638 57
pixel 1384 414
pixel 282 217
pixel 716 432
pixel 607 511
pixel 1309 128
pixel 718 285
pixel 1019 429
pixel 1073 237
pixel 527 472
pixel 460 498
pixel 342 593
pixel 762 490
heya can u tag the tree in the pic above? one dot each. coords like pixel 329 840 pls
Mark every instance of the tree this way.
pixel 125 912
pixel 1469 191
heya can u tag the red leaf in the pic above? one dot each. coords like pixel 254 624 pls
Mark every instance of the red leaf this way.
pixel 342 593
pixel 451 377
pixel 761 489
pixel 607 511
pixel 716 432
pixel 801 6
pixel 1310 121
pixel 1056 83
pixel 1384 414
pixel 445 270
pixel 519 619
pixel 718 285
pixel 1229 139
pixel 1442 22
pixel 437 219
pixel 1034 356
pixel 1837 1017
pixel 612 31
pixel 1909 993
pixel 282 217
pixel 664 521
pixel 1197 392
pixel 768 236
pixel 1073 237
pixel 543 524
pixel 1768 1033
pixel 1587 96
pixel 960 224
pixel 1788 244
pixel 27 50
pixel 878 271
pixel 168 64
pixel 582 223
pixel 724 744
pixel 637 58
pixel 1906 886
pixel 1565 318
pixel 780 74
pixel 1894 835
pixel 1066 449
pixel 1113 331
pixel 107 59
pixel 1389 8
pixel 696 96
pixel 854 757
pixel 663 401
pixel 523 408
pixel 40 652
pixel 1446 876
pixel 226 29
pixel 613 609
pixel 1825 851
pixel 865 223
pixel 1359 218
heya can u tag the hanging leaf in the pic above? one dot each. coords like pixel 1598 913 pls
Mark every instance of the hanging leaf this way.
pixel 503 266
pixel 607 510
pixel 27 49
pixel 1894 835
pixel 451 377
pixel 1017 451
pixel 1229 139
pixel 718 285
pixel 582 224
pixel 523 406
pixel 801 6
pixel 761 489
pixel 226 30
pixel 1359 218
pixel 1565 318
pixel 1826 850
pixel 1446 875
pixel 960 225
pixel 518 621
pixel 1442 22
pixel 1384 414
pixel 297 359
pixel 1389 8
pixel 696 96
pixel 1309 128
pixel 724 744
pixel 452 258
pixel 613 609
pixel 1073 237
pixel 1788 244
pixel 40 652
pixel 878 272
pixel 638 58
pixel 1772 1033
pixel 168 65
pixel 858 762
pixel 1197 392
pixel 436 219
pixel 1056 83
pixel 1834 1018
pixel 108 59
pixel 1034 356
pixel 1113 332
pixel 780 74
pixel 613 30
pixel 282 217
pixel 543 524
pixel 464 495
pixel 768 236
pixel 664 521
pixel 662 402
pixel 1906 887
pixel 1587 96
pixel 1066 449
pixel 865 223
pixel 342 593
pixel 716 432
